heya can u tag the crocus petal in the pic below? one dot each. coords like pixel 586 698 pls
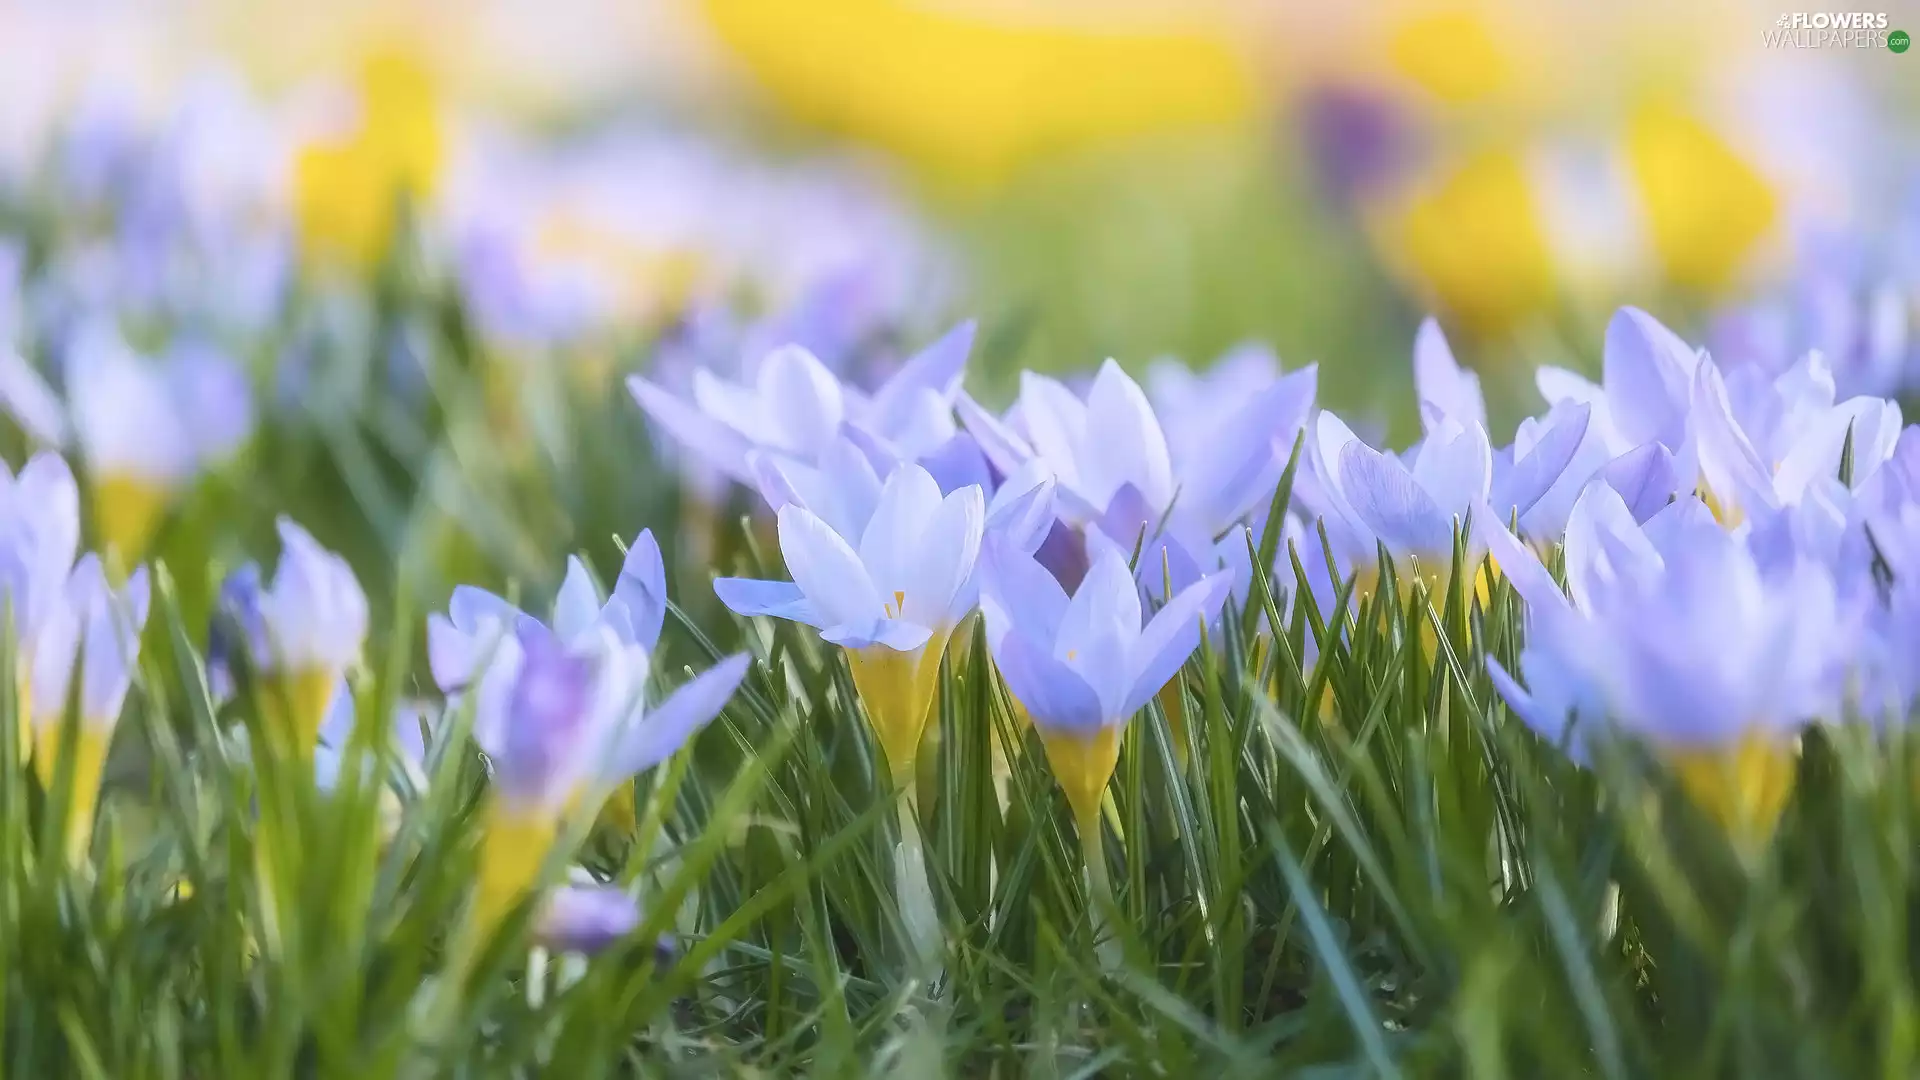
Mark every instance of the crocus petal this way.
pixel 1727 460
pixel 1386 499
pixel 1171 637
pixel 1444 387
pixel 713 442
pixel 1022 509
pixel 1055 696
pixel 577 607
pixel 803 396
pixel 826 569
pixel 1122 440
pixel 1645 477
pixel 472 608
pixel 896 634
pixel 1518 564
pixel 776 599
pixel 1056 423
pixel 1237 467
pixel 937 369
pixel 958 462
pixel 1454 465
pixel 888 544
pixel 665 728
pixel 642 590
pixel 1003 446
pixel 31 402
pixel 1536 471
pixel 943 557
pixel 1647 370
pixel 579 919
pixel 1603 544
pixel 1024 590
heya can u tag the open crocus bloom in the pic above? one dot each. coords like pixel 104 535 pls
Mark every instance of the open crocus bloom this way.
pixel 1119 472
pixel 888 598
pixel 1083 666
pixel 563 723
pixel 1676 636
pixel 457 642
pixel 797 409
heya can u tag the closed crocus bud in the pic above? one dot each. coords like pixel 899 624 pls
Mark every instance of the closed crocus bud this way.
pixel 95 632
pixel 39 534
pixel 586 918
pixel 302 632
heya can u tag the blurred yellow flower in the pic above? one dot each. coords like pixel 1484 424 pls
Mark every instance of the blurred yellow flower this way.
pixel 1706 207
pixel 972 96
pixel 1453 54
pixel 347 190
pixel 1473 238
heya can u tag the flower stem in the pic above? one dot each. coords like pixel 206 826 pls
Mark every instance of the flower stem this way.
pixel 920 919
pixel 1099 885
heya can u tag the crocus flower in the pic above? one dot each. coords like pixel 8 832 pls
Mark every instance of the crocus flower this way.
pixel 347 188
pixel 1119 474
pixel 457 641
pixel 300 634
pixel 586 918
pixel 144 429
pixel 39 536
pixel 563 723
pixel 1678 638
pixel 887 596
pixel 96 628
pixel 1081 667
pixel 796 408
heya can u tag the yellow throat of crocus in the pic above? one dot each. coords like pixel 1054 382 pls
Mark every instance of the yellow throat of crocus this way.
pixel 1083 764
pixel 514 846
pixel 294 704
pixel 346 190
pixel 127 512
pixel 1743 787
pixel 90 747
pixel 897 689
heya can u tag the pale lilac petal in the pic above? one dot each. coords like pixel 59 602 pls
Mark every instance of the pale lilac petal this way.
pixel 1003 446
pixel 1171 637
pixel 664 729
pixel 1443 386
pixel 642 590
pixel 826 569
pixel 1645 478
pixel 712 442
pixel 775 599
pixel 1647 371
pixel 1055 696
pixel 1535 472
pixel 895 634
pixel 577 607
pixel 1123 441
pixel 804 398
pixel 1385 498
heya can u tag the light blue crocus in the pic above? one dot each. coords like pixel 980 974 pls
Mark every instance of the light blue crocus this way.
pixel 1082 666
pixel 889 594
pixel 457 641
pixel 301 633
pixel 796 408
pixel 1688 644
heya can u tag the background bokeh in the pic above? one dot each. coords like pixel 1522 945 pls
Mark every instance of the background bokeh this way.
pixel 1145 177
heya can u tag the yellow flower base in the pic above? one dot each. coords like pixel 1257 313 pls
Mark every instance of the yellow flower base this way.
pixel 513 848
pixel 91 743
pixel 897 689
pixel 127 512
pixel 1083 765
pixel 1744 787
pixel 293 706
